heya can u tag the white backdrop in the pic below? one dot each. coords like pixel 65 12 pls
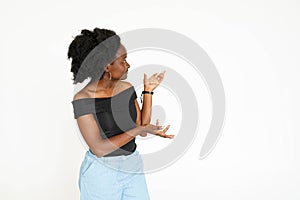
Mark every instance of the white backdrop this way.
pixel 255 47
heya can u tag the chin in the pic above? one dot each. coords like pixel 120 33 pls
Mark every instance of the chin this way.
pixel 123 77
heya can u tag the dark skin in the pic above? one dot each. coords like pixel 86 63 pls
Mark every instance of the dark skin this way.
pixel 107 87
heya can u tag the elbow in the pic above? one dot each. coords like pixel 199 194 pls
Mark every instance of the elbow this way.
pixel 145 122
pixel 98 153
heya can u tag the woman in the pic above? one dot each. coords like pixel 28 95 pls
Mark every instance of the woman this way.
pixel 109 118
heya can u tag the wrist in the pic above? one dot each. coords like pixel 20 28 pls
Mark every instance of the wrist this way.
pixel 141 129
pixel 144 128
pixel 147 92
pixel 148 89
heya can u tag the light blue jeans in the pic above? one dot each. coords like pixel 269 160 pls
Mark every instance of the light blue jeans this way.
pixel 112 178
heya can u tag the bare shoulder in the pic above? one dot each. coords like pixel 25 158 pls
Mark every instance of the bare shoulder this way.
pixel 80 95
pixel 125 85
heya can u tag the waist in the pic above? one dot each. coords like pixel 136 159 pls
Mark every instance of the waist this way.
pixel 125 150
pixel 132 163
pixel 115 153
pixel 90 154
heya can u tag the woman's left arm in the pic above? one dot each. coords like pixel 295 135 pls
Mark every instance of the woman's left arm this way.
pixel 149 85
pixel 138 117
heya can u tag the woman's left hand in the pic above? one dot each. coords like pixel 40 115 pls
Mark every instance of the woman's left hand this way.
pixel 151 83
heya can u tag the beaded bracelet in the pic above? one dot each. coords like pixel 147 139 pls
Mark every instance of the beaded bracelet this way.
pixel 145 92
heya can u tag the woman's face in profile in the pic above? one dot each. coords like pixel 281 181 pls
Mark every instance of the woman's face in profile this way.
pixel 119 67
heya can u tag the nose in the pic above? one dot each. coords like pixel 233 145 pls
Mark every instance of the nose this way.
pixel 127 65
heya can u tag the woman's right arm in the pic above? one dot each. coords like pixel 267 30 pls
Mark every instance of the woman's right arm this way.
pixel 89 129
pixel 99 146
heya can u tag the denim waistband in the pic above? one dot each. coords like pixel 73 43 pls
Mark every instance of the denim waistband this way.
pixel 112 158
pixel 131 163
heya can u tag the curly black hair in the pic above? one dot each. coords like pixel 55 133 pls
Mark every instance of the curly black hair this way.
pixel 91 51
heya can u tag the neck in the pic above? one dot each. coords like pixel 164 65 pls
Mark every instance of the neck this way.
pixel 103 84
pixel 106 84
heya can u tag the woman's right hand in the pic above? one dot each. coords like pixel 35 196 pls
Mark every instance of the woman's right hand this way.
pixel 157 130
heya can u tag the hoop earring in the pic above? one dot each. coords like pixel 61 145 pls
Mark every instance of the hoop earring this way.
pixel 109 75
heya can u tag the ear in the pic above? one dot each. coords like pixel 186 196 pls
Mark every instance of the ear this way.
pixel 107 68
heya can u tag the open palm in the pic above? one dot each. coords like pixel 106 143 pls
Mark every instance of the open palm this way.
pixel 153 81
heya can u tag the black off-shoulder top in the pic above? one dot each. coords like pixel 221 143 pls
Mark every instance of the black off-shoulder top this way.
pixel 114 115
